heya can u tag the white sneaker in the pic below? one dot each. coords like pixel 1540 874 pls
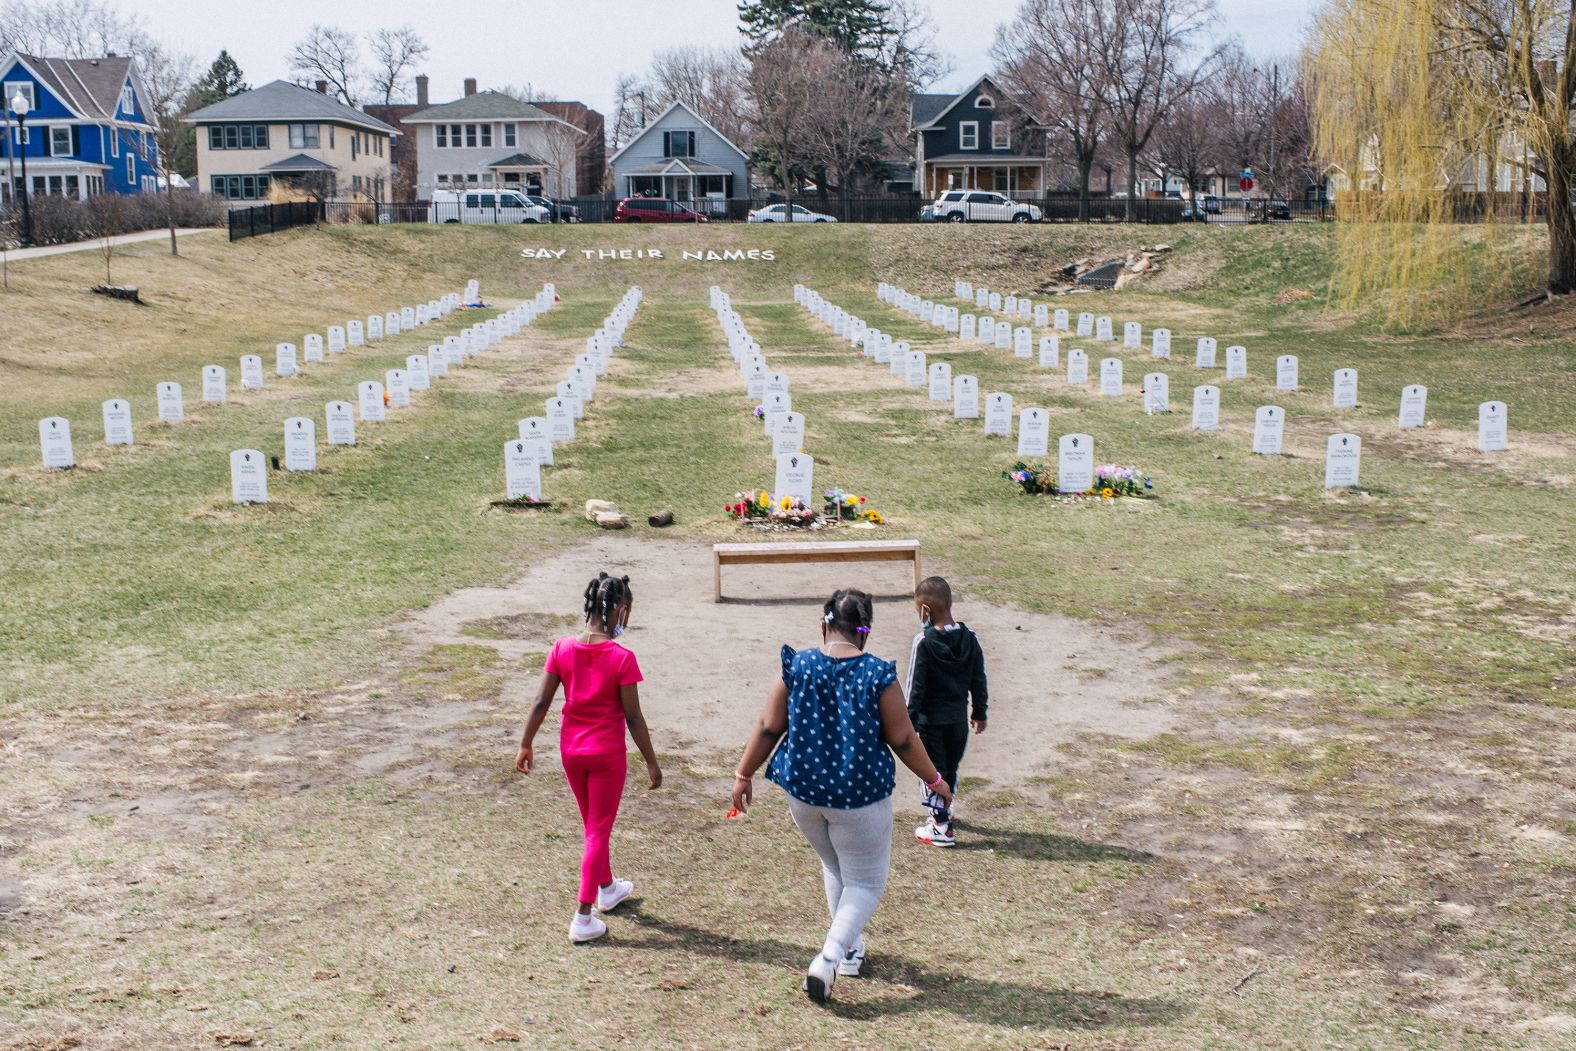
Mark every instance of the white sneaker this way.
pixel 936 834
pixel 606 899
pixel 819 977
pixel 586 928
pixel 852 960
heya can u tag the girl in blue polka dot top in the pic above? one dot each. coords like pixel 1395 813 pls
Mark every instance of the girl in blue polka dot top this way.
pixel 841 717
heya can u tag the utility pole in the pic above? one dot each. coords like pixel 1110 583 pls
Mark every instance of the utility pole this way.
pixel 1274 120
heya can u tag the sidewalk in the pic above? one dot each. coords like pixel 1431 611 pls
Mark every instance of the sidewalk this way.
pixel 19 254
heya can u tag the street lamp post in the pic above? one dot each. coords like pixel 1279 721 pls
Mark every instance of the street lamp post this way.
pixel 20 107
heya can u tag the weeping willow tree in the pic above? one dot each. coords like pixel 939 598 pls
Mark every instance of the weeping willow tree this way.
pixel 1432 113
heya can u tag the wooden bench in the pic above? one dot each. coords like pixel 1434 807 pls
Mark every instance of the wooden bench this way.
pixel 812 551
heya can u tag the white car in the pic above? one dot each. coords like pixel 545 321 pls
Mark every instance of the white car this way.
pixel 483 206
pixel 980 206
pixel 778 213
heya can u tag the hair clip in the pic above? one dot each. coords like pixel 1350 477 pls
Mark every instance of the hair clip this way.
pixel 827 619
pixel 862 630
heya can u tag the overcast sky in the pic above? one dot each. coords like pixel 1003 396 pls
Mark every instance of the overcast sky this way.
pixel 576 48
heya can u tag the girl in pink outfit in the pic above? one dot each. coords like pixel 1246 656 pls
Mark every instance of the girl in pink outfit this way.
pixel 601 698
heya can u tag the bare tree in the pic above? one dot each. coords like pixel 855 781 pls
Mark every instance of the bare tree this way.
pixel 629 109
pixel 1188 143
pixel 711 81
pixel 69 29
pixel 911 52
pixel 1046 57
pixel 785 79
pixel 331 54
pixel 166 80
pixel 560 146
pixel 1143 48
pixel 857 116
pixel 395 54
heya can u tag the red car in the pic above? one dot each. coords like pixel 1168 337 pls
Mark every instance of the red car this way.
pixel 654 210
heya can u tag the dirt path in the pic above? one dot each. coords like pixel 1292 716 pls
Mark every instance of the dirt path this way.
pixel 708 665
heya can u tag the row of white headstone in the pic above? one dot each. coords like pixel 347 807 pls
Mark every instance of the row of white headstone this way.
pixel 784 428
pixel 374 399
pixel 55 431
pixel 531 449
pixel 1413 402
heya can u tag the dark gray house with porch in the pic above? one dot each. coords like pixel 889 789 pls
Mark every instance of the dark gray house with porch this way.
pixel 979 139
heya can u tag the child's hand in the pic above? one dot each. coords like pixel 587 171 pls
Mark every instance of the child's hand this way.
pixel 944 790
pixel 978 724
pixel 526 759
pixel 654 773
pixel 743 794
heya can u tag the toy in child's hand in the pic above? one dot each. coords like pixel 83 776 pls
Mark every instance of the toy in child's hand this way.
pixel 733 812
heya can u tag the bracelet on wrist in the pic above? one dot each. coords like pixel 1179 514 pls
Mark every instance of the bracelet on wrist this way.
pixel 934 782
pixel 743 777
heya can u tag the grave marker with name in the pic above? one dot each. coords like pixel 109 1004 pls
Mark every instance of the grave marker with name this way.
pixel 916 369
pixel 1342 460
pixel 1022 342
pixel 416 369
pixel 369 400
pixel 1206 407
pixel 998 414
pixel 1269 425
pixel 391 323
pixel 1034 432
pixel 788 435
pixel 1132 335
pixel 522 471
pixel 312 347
pixel 569 391
pixel 336 339
pixel 968 327
pixel 1157 393
pixel 796 477
pixel 1077 367
pixel 285 360
pixel 1003 336
pixel 1493 427
pixel 54 442
pixel 1060 321
pixel 1236 363
pixel 1075 463
pixel 341 421
pixel 987 334
pixel 214 387
pixel 437 361
pixel 965 398
pixel 355 334
pixel 374 327
pixel 1102 329
pixel 398 386
pixel 1286 372
pixel 560 420
pixel 1111 377
pixel 1204 358
pixel 777 405
pixel 1085 324
pixel 300 444
pixel 1414 405
pixel 117 422
pixel 1160 343
pixel 1042 315
pixel 535 434
pixel 1344 391
pixel 1050 352
pixel 248 477
pixel 940 381
pixel 172 403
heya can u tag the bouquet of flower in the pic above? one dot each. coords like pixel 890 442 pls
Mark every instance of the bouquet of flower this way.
pixel 761 508
pixel 847 507
pixel 1035 478
pixel 1110 481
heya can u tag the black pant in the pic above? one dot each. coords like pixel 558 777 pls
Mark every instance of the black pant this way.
pixel 945 743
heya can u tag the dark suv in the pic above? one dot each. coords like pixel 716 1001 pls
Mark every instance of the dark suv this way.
pixel 654 210
pixel 558 213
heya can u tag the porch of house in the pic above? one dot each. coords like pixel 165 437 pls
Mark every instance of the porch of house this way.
pixel 51 177
pixel 522 172
pixel 689 181
pixel 1012 178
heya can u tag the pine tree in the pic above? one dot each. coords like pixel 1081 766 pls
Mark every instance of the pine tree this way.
pixel 223 80
pixel 860 27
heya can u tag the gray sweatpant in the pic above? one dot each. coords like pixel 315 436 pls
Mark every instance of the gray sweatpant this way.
pixel 855 847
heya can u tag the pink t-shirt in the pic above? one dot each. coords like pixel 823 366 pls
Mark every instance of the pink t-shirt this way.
pixel 593 721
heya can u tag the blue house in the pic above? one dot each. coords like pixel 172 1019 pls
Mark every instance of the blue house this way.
pixel 86 131
pixel 979 139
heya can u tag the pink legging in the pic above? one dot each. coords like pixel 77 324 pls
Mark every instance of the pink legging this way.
pixel 597 782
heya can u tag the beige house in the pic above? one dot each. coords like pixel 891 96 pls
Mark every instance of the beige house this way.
pixel 285 134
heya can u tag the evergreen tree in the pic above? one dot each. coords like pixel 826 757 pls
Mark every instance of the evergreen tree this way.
pixel 223 80
pixel 860 27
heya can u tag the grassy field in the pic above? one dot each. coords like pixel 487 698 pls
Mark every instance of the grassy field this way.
pixel 1367 805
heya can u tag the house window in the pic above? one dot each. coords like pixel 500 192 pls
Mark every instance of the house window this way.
pixel 678 144
pixel 303 137
pixel 60 140
pixel 509 134
pixel 1001 180
pixel 114 142
pixel 353 140
pixel 1000 135
pixel 454 136
pixel 355 184
pixel 969 135
pixel 486 130
pixel 131 168
pixel 125 100
pixel 330 136
pixel 23 136
pixel 25 87
pixel 72 186
pixel 470 136
pixel 441 140
pixel 984 102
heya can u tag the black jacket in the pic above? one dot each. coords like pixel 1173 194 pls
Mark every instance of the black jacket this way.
pixel 944 669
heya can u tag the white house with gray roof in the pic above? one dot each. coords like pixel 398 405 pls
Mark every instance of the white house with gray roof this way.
pixel 683 158
pixel 487 139
pixel 285 133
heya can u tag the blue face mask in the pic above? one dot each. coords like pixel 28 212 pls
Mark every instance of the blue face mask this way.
pixel 618 629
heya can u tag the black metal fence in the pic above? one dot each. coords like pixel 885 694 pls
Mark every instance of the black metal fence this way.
pixel 268 218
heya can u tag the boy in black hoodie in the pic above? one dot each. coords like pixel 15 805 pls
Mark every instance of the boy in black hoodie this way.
pixel 946 668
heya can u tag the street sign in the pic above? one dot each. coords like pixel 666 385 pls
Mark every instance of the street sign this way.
pixel 1246 182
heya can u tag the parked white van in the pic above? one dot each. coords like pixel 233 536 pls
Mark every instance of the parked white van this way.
pixel 483 206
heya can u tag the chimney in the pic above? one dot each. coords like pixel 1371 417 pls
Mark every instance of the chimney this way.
pixel 109 54
pixel 322 87
pixel 470 85
pixel 421 89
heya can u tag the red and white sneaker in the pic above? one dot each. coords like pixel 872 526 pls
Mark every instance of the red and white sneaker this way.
pixel 936 833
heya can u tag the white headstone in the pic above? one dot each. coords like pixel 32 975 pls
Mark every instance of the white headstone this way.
pixel 369 400
pixel 213 384
pixel 1414 405
pixel 251 372
pixel 1157 392
pixel 1077 367
pixel 336 339
pixel 1003 336
pixel 534 433
pixel 1269 424
pixel 1075 463
pixel 1493 427
pixel 1132 335
pixel 965 398
pixel 1160 342
pixel 522 471
pixel 796 477
pixel 1342 460
pixel 998 414
pixel 987 332
pixel 300 444
pixel 437 361
pixel 172 404
pixel 981 298
pixel 248 477
pixel 416 369
pixel 1050 352
pixel 285 359
pixel 398 386
pixel 1206 407
pixel 341 423
pixel 1034 432
pixel 117 422
pixel 391 325
pixel 1085 324
pixel 777 405
pixel 374 326
pixel 1286 372
pixel 776 383
pixel 995 303
pixel 1060 319
pixel 569 391
pixel 968 327
pixel 54 442
pixel 560 420
pixel 1102 329
pixel 1010 305
pixel 407 318
pixel 1111 377
pixel 355 334
pixel 788 435
pixel 1344 393
pixel 1236 363
pixel 1024 311
pixel 1022 342
pixel 1205 356
pixel 1042 315
pixel 915 369
pixel 940 381
pixel 312 347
